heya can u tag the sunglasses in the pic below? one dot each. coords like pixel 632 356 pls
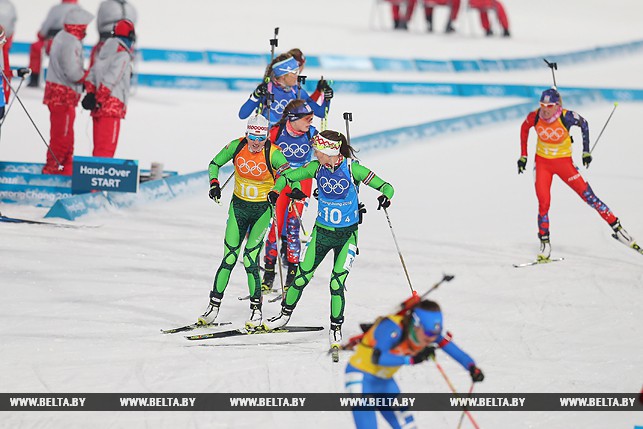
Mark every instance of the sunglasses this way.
pixel 255 138
pixel 547 104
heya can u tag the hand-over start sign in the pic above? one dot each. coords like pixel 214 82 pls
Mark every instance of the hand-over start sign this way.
pixel 104 174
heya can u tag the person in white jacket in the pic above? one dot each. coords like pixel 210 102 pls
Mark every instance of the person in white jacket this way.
pixel 50 27
pixel 109 13
pixel 108 86
pixel 65 80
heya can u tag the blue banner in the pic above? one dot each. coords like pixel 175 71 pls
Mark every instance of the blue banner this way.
pixel 104 174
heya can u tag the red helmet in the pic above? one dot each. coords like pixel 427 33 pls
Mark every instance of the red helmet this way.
pixel 124 28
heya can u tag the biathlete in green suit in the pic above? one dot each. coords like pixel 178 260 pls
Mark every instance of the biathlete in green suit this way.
pixel 338 214
pixel 256 161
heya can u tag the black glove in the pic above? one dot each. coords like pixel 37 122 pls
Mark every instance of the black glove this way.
pixel 89 101
pixel 328 93
pixel 297 194
pixel 384 202
pixel 361 209
pixel 23 72
pixel 423 355
pixel 272 197
pixel 322 85
pixel 476 375
pixel 522 163
pixel 261 90
pixel 316 193
pixel 587 159
pixel 215 190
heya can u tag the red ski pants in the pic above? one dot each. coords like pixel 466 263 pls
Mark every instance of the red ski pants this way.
pixel 568 173
pixel 7 69
pixel 106 130
pixel 35 54
pixel 484 6
pixel 61 140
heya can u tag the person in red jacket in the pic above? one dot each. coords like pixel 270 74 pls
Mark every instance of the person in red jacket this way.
pixel 554 157
pixel 50 27
pixel 484 6
pixel 108 86
pixel 65 78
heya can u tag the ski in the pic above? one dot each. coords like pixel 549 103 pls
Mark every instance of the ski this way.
pixel 277 298
pixel 538 262
pixel 244 331
pixel 194 326
pixel 631 245
pixel 8 219
pixel 247 297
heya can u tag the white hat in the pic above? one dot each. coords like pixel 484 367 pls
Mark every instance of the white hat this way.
pixel 78 16
pixel 257 125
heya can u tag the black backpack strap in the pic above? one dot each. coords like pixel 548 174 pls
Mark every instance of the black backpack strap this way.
pixel 266 151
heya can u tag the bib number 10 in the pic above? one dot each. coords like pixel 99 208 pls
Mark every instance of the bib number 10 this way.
pixel 249 191
pixel 333 215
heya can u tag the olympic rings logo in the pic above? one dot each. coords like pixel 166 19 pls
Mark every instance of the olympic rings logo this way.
pixel 298 151
pixel 279 105
pixel 333 186
pixel 550 134
pixel 251 167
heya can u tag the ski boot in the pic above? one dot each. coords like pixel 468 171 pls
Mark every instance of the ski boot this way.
pixel 210 313
pixel 545 248
pixel 290 277
pixel 278 321
pixel 34 80
pixel 268 279
pixel 624 237
pixel 254 320
pixel 335 334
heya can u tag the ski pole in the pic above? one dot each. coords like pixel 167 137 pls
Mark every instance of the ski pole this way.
pixel 348 117
pixel 12 100
pixel 301 224
pixel 455 392
pixel 406 306
pixel 281 274
pixel 399 252
pixel 553 66
pixel 15 94
pixel 465 408
pixel 604 126
pixel 274 42
pixel 300 80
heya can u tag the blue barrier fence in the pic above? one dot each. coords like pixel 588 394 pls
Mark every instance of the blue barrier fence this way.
pixel 393 88
pixel 73 207
pixel 340 62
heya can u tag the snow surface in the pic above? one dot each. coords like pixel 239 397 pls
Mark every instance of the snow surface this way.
pixel 82 308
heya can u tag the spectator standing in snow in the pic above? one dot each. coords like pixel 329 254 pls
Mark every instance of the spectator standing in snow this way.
pixel 338 216
pixel 293 134
pixel 392 342
pixel 484 6
pixel 108 86
pixel 554 157
pixel 282 85
pixel 65 80
pixel 256 160
pixel 109 13
pixel 50 27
